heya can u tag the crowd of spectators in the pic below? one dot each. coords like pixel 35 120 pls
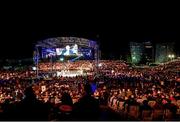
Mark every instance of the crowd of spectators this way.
pixel 151 93
pixel 58 66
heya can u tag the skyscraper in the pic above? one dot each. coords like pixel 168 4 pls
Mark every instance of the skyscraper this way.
pixel 136 50
pixel 148 52
pixel 142 52
pixel 164 52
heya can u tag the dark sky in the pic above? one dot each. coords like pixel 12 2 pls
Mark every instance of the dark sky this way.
pixel 22 26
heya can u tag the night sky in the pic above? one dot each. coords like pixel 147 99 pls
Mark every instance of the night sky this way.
pixel 113 28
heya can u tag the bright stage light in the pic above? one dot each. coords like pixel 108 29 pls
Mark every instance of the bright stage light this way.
pixel 112 71
pixel 61 59
pixel 99 65
pixel 169 56
pixel 34 68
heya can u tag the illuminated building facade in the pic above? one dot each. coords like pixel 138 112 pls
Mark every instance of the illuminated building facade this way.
pixel 136 50
pixel 141 53
pixel 164 52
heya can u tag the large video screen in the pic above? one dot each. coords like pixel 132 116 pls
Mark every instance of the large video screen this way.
pixel 68 50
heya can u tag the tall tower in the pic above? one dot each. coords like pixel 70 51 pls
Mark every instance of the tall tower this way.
pixel 142 52
pixel 148 52
pixel 136 50
pixel 163 51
